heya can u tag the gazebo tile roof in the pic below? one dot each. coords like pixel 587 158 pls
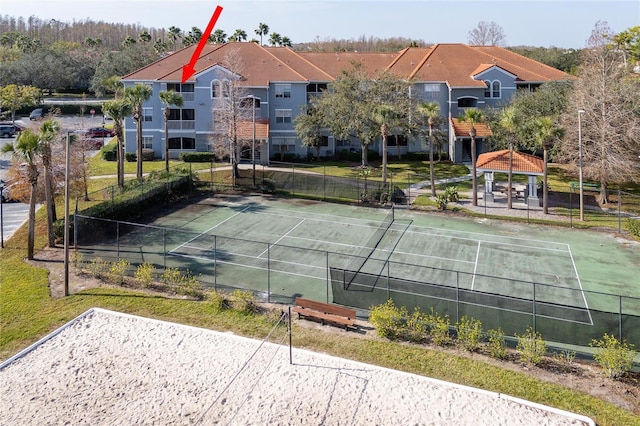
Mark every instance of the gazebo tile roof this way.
pixel 499 161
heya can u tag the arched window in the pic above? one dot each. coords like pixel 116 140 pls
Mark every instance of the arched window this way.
pixel 495 89
pixel 487 90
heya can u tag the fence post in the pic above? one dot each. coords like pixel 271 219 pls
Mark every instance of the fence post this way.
pixel 328 275
pixel 620 318
pixel 268 273
pixel 534 307
pixel 408 190
pixel 457 297
pixel 164 248
pixel 571 206
pixel 324 183
pixel 118 239
pixel 215 263
pixel 293 179
pixel 619 211
pixel 388 280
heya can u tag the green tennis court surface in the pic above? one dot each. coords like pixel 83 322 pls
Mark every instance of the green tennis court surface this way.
pixel 360 257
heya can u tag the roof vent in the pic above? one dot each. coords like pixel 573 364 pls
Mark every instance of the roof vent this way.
pixel 412 62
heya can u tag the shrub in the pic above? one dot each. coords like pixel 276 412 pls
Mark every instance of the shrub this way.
pixel 565 359
pixel 442 201
pixel 190 286
pixel 243 301
pixel 614 357
pixel 469 332
pixel 451 192
pixel 633 226
pixel 197 157
pixel 388 319
pixel 144 274
pixel 439 328
pixel 417 326
pixel 109 152
pixel 216 299
pixel 98 268
pixel 118 271
pixel 171 277
pixel 531 347
pixel 496 344
pixel 130 156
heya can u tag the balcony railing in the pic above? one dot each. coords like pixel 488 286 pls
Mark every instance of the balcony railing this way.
pixel 187 96
pixel 181 124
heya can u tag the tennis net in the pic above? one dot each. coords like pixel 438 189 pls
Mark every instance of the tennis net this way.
pixel 371 245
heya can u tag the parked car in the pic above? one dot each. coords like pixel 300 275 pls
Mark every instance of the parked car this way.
pixel 36 114
pixel 7 130
pixel 99 132
pixel 6 192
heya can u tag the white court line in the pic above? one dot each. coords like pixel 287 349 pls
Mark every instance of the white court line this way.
pixel 475 268
pixel 284 236
pixel 454 237
pixel 214 226
pixel 584 297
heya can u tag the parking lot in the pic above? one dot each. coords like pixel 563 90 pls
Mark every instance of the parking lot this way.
pixel 13 215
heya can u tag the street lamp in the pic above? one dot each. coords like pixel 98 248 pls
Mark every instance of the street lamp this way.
pixel 580 112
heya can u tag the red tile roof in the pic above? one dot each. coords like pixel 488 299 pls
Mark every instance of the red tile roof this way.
pixel 499 161
pixel 453 63
pixel 462 128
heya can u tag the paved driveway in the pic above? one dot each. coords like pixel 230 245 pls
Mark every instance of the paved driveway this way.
pixel 12 217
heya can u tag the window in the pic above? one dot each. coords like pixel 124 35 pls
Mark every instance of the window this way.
pixel 147 114
pixel 283 90
pixel 283 116
pixel 493 89
pixel 467 102
pixel 147 142
pixel 324 140
pixel 181 118
pixel 282 145
pixel 216 89
pixel 431 91
pixel 248 102
pixel 182 143
pixel 314 89
pixel 343 142
pixel 397 140
pixel 186 90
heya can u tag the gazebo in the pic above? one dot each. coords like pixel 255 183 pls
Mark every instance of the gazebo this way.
pixel 523 164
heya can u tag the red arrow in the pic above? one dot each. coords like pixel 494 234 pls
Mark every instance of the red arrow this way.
pixel 188 70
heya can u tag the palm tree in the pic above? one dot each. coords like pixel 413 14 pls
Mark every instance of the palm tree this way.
pixel 137 95
pixel 144 36
pixel 286 41
pixel 239 35
pixel 510 121
pixel 263 29
pixel 168 98
pixel 118 109
pixel 25 149
pixel 385 116
pixel 174 34
pixel 546 131
pixel 49 130
pixel 473 116
pixel 128 42
pixel 218 36
pixel 430 111
pixel 275 39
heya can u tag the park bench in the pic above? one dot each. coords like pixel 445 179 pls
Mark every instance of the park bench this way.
pixel 325 312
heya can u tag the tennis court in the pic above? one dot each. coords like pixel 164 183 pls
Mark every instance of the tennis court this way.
pixel 361 256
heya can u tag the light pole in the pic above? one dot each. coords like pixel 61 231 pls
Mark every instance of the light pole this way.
pixel 580 112
pixel 66 217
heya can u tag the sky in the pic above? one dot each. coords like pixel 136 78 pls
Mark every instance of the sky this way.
pixel 541 23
